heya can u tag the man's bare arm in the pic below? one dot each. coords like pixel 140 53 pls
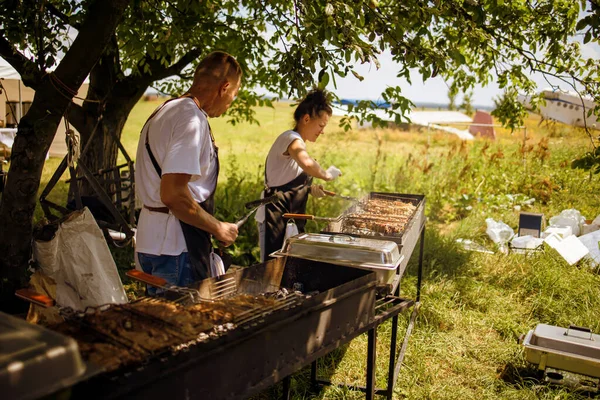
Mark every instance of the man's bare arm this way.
pixel 175 194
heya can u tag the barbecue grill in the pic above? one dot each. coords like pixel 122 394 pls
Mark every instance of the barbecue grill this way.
pixel 237 353
pixel 407 226
pixel 249 329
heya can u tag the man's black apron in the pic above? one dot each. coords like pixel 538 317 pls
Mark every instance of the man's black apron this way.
pixel 293 199
pixel 197 241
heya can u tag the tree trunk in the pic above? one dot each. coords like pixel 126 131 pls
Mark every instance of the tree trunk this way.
pixel 103 152
pixel 35 134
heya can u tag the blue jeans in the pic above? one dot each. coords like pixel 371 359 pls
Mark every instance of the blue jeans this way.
pixel 176 270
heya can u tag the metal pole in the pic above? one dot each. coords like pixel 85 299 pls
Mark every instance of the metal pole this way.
pixel 285 395
pixel 371 357
pixel 392 364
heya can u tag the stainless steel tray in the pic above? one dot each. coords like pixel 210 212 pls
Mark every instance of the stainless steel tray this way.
pixel 35 361
pixel 572 349
pixel 382 257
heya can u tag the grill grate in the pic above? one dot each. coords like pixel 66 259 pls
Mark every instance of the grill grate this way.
pixel 388 222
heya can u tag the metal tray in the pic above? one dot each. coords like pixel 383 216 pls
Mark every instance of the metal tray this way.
pixel 382 257
pixel 35 361
pixel 572 349
pixel 335 227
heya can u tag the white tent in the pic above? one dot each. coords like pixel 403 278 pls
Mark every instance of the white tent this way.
pixel 8 72
pixel 14 102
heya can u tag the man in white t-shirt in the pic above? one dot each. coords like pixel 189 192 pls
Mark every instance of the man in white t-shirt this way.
pixel 177 167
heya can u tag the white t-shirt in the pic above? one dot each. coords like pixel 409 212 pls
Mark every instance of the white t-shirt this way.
pixel 180 141
pixel 281 167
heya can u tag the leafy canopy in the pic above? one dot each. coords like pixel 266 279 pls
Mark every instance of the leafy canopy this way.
pixel 286 47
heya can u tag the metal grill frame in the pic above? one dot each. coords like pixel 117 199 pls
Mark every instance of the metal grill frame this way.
pixel 259 353
pixel 418 200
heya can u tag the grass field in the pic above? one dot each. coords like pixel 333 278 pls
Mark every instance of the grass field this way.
pixel 474 306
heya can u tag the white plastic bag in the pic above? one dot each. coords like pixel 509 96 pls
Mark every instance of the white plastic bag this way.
pixel 217 267
pixel 79 261
pixel 499 232
pixel 291 229
pixel 260 212
pixel 570 217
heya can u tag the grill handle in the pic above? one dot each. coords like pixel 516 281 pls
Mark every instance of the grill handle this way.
pixel 147 278
pixel 580 329
pixel 35 297
pixel 332 194
pixel 307 216
pixel 298 216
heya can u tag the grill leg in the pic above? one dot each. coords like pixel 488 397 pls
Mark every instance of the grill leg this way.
pixel 313 374
pixel 420 271
pixel 372 343
pixel 392 366
pixel 286 388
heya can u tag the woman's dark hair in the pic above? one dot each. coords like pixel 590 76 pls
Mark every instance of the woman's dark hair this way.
pixel 314 102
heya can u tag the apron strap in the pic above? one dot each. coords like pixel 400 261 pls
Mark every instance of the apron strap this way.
pixel 155 163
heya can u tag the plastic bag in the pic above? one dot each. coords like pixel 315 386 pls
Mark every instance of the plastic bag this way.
pixel 291 229
pixel 217 267
pixel 499 232
pixel 78 259
pixel 570 217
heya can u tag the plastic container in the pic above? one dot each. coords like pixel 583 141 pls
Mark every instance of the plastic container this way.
pixel 572 349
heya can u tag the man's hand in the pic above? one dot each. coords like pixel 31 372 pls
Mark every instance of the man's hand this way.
pixel 227 233
pixel 317 191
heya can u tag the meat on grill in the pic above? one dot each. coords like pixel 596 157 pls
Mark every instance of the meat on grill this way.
pixel 126 334
pixel 227 310
pixel 141 334
pixel 94 349
pixel 171 313
pixel 379 216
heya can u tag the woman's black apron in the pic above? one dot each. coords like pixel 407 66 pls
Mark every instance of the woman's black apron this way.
pixel 198 241
pixel 293 199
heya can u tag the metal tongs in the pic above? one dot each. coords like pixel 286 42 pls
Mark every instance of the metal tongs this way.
pixel 334 194
pixel 192 294
pixel 254 205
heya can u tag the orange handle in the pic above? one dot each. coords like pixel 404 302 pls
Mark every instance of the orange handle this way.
pixel 147 278
pixel 298 216
pixel 328 192
pixel 35 297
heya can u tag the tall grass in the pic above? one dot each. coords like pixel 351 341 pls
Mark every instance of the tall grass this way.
pixel 474 306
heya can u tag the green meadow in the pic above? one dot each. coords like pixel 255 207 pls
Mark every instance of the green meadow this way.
pixel 474 305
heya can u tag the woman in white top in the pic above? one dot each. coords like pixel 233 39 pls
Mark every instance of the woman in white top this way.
pixel 289 171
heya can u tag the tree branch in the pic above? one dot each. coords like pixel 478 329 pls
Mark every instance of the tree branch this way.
pixel 63 17
pixel 31 75
pixel 174 69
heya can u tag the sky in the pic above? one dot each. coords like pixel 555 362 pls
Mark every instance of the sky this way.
pixel 432 91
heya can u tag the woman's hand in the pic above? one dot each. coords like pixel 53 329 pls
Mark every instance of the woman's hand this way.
pixel 333 173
